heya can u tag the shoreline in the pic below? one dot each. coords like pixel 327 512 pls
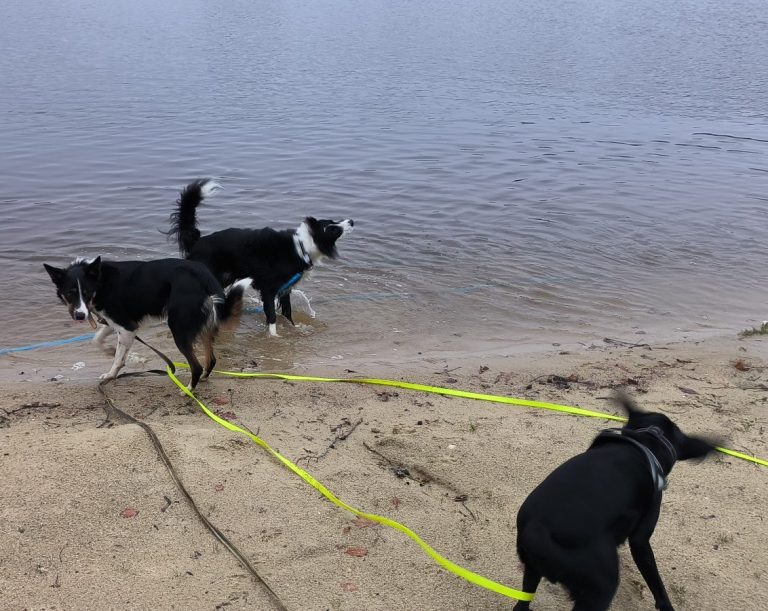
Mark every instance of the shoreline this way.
pixel 69 483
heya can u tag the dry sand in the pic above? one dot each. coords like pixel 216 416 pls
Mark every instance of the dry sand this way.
pixel 66 484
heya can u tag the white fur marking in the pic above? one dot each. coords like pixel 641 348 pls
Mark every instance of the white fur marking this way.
pixel 304 236
pixel 209 308
pixel 209 188
pixel 346 226
pixel 273 330
pixel 81 307
pixel 240 284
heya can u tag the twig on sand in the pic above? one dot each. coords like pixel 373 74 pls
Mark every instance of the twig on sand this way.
pixel 462 498
pixel 619 342
pixel 332 445
pixel 420 475
pixel 30 406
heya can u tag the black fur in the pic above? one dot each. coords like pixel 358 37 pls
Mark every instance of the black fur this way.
pixel 124 293
pixel 569 527
pixel 267 256
pixel 184 219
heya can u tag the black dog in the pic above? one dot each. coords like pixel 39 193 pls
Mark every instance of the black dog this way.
pixel 274 260
pixel 126 293
pixel 569 527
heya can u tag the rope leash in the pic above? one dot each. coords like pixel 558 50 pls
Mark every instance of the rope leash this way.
pixel 115 413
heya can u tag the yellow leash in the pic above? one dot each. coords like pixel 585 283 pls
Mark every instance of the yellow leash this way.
pixel 454 568
pixel 452 392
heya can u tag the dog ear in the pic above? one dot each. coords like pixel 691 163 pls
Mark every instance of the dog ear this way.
pixel 93 269
pixel 693 447
pixel 627 404
pixel 56 274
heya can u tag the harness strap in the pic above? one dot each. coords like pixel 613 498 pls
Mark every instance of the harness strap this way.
pixel 660 482
pixel 301 251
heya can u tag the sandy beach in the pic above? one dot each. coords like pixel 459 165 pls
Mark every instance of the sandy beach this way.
pixel 90 518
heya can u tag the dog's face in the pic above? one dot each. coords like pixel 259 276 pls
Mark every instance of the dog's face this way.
pixel 685 446
pixel 325 233
pixel 76 287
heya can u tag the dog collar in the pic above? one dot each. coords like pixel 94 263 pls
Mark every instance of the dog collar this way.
pixel 660 482
pixel 301 251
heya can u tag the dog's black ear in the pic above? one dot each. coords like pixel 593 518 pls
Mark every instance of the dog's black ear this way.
pixel 334 231
pixel 693 447
pixel 627 404
pixel 56 274
pixel 93 269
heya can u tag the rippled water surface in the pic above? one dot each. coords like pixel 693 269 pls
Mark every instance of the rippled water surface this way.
pixel 518 172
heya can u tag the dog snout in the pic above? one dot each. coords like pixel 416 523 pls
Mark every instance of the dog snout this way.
pixel 79 315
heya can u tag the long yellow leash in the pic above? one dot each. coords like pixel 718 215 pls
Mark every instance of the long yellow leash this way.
pixel 454 568
pixel 452 392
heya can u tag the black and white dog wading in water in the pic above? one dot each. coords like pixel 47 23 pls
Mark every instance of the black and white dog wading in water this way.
pixel 270 258
pixel 124 294
pixel 569 527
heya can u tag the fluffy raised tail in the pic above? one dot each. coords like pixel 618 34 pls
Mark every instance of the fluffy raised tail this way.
pixel 230 307
pixel 184 218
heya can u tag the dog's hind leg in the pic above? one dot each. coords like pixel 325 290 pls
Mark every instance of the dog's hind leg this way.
pixel 194 365
pixel 531 579
pixel 185 344
pixel 268 299
pixel 207 340
pixel 597 580
pixel 285 307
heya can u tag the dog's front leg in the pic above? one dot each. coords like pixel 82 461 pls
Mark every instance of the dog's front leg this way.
pixel 99 337
pixel 124 341
pixel 642 553
pixel 268 299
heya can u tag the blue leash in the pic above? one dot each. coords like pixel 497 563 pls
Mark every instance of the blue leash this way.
pixel 254 310
pixel 52 344
pixel 287 286
pixel 81 338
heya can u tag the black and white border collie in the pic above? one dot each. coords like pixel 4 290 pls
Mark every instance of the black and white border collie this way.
pixel 270 258
pixel 123 294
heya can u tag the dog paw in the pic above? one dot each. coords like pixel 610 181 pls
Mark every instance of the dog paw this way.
pixel 107 376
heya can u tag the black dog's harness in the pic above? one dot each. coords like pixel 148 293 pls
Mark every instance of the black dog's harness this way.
pixel 657 473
